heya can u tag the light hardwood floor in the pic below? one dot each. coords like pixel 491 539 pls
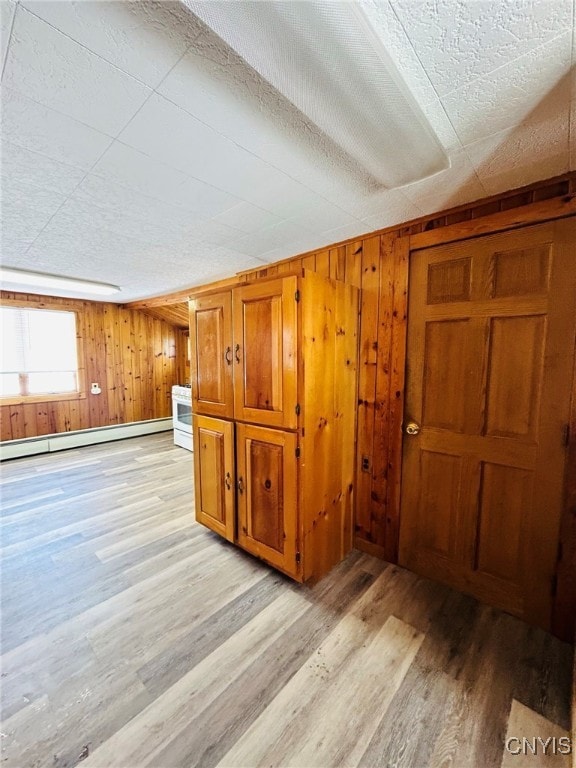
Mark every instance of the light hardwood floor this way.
pixel 134 637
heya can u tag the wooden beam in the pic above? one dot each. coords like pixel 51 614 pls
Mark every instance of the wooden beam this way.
pixel 180 296
pixel 556 208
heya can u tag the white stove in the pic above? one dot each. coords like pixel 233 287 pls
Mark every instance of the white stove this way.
pixel 182 416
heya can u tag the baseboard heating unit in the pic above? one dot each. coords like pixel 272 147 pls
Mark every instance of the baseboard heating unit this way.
pixel 61 441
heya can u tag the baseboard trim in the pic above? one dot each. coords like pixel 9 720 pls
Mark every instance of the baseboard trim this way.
pixel 62 441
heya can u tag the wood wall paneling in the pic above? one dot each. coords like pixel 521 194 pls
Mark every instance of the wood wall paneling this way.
pixel 377 263
pixel 134 357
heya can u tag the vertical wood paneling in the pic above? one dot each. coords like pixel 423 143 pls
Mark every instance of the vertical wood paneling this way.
pixel 397 369
pixel 133 357
pixel 309 262
pixel 338 263
pixel 5 425
pixel 353 263
pixel 368 360
pixel 382 401
pixel 323 263
pixel 182 361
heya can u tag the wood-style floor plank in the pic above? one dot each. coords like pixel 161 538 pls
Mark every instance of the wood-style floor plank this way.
pixel 133 637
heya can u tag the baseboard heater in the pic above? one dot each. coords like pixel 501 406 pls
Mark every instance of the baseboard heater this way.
pixel 61 441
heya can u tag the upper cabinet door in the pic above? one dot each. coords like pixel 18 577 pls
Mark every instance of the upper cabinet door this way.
pixel 212 355
pixel 265 365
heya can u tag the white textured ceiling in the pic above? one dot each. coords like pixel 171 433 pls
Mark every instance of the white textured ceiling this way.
pixel 137 149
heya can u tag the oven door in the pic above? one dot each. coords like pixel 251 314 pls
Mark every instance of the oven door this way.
pixel 182 414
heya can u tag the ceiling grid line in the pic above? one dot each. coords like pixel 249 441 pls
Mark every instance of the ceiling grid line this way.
pixel 5 56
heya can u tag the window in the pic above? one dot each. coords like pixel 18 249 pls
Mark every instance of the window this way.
pixel 39 352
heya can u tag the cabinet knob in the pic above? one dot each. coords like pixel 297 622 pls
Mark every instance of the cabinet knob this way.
pixel 227 481
pixel 240 484
pixel 237 353
pixel 228 355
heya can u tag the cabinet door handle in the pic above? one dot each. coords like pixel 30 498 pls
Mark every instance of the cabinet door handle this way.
pixel 237 353
pixel 228 355
pixel 227 481
pixel 240 485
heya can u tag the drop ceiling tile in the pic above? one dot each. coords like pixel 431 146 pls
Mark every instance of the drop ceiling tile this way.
pixel 523 154
pixel 74 242
pixel 197 150
pixel 389 28
pixel 458 42
pixel 192 147
pixel 278 236
pixel 440 123
pixel 35 127
pixel 107 195
pixel 387 204
pixel 115 221
pixel 103 203
pixel 144 39
pixel 26 209
pixel 457 185
pixel 323 215
pixel 345 233
pixel 247 217
pixel 141 173
pixel 538 81
pixel 7 9
pixel 53 70
pixel 38 170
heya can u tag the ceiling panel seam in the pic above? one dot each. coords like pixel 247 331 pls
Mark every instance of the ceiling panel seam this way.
pixel 526 55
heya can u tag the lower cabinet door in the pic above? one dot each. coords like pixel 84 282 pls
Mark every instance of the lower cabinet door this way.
pixel 214 485
pixel 267 495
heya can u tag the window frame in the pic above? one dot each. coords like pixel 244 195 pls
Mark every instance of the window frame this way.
pixel 56 306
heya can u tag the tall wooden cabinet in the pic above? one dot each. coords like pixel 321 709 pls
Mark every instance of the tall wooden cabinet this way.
pixel 274 386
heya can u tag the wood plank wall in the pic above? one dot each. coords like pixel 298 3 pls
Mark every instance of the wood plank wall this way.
pixel 377 264
pixel 381 271
pixel 135 359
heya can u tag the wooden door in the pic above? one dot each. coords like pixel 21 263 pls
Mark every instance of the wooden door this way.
pixel 490 353
pixel 265 364
pixel 211 359
pixel 214 476
pixel 267 495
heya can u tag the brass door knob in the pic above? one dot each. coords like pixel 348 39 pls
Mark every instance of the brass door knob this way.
pixel 412 428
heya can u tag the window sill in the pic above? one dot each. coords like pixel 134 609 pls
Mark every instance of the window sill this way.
pixel 31 399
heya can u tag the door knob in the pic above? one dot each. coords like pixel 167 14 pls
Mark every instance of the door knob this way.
pixel 412 428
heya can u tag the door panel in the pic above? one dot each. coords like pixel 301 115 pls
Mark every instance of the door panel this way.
pixel 214 474
pixel 490 351
pixel 505 493
pixel 265 353
pixel 267 494
pixel 212 360
pixel 515 381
